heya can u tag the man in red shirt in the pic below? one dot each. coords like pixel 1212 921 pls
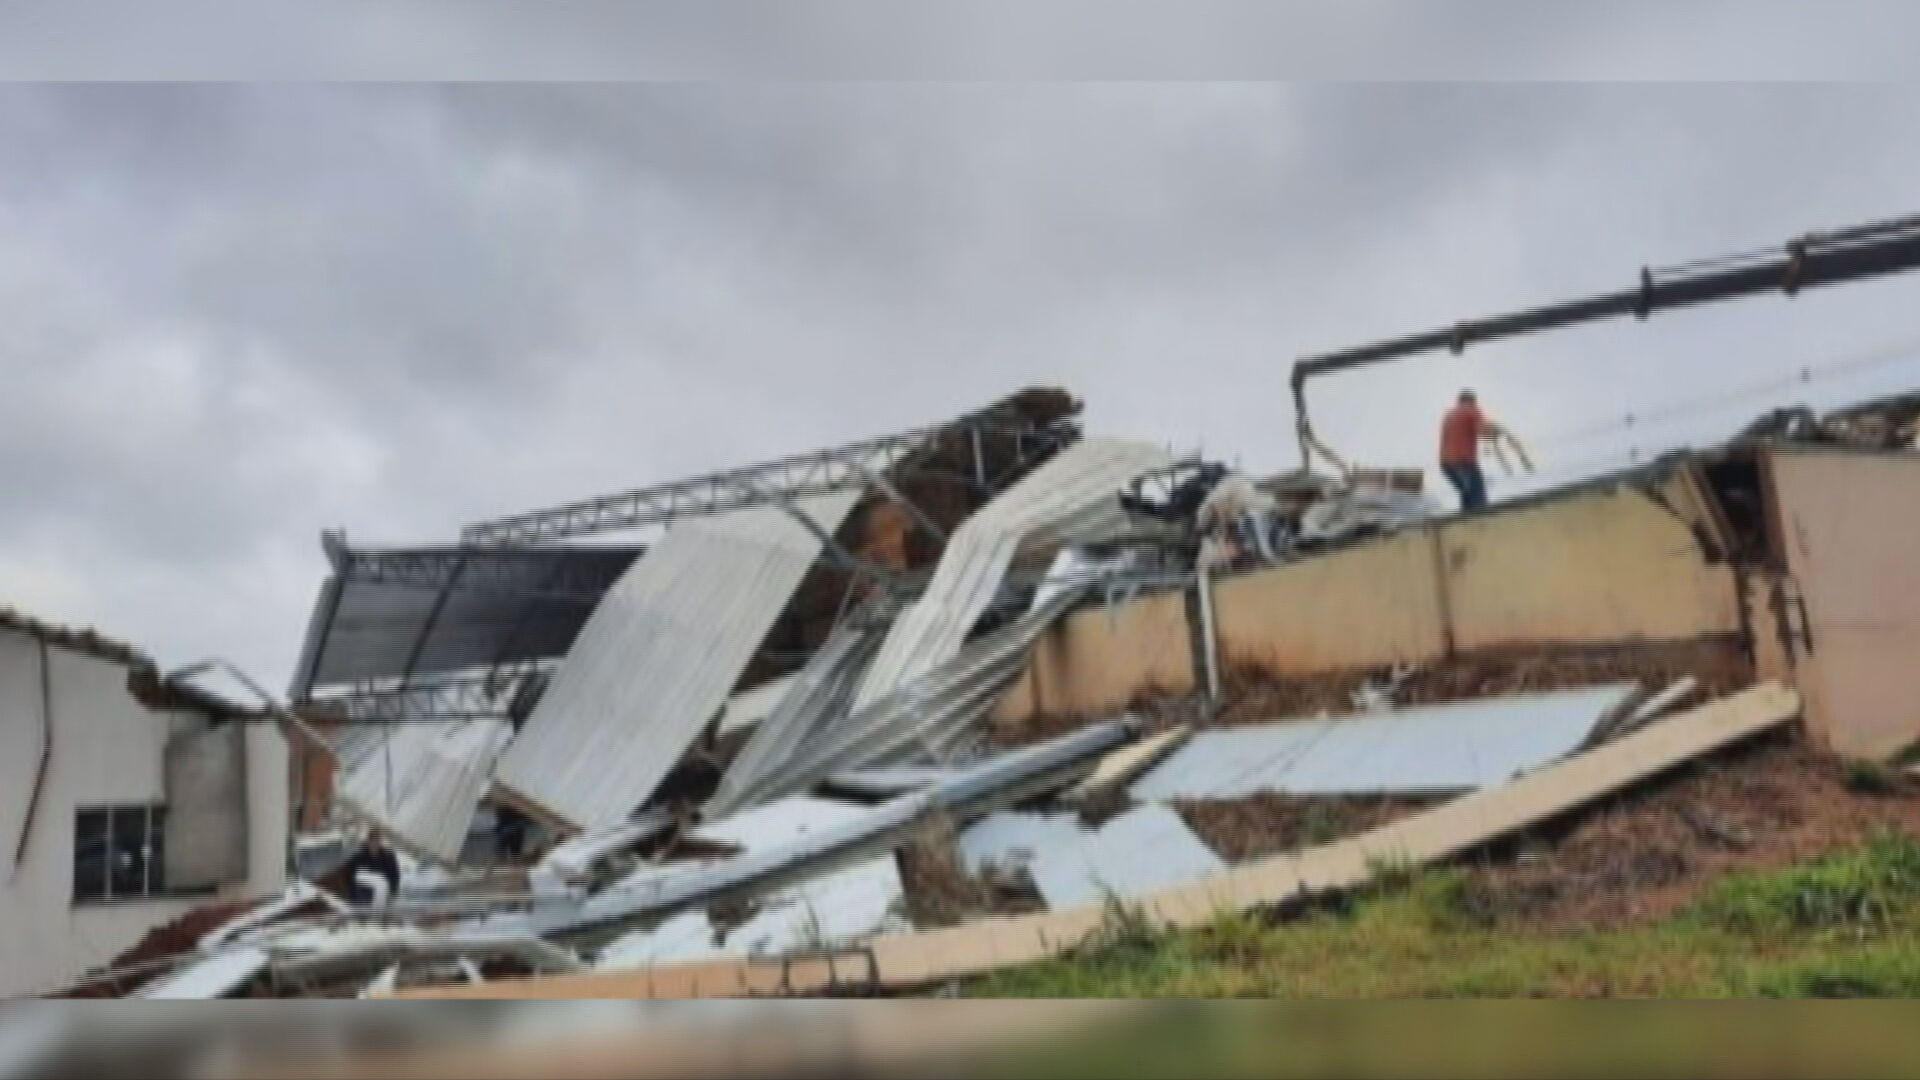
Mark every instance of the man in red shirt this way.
pixel 1460 435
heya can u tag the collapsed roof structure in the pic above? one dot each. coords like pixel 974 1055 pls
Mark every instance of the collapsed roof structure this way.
pixel 767 744
pixel 722 814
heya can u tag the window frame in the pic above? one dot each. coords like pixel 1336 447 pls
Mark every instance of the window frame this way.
pixel 153 864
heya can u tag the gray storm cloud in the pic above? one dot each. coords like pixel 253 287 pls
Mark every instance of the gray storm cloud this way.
pixel 232 315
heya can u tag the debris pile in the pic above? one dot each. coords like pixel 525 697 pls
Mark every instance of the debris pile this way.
pixel 762 733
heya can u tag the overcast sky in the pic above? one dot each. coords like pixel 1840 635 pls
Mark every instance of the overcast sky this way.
pixel 233 315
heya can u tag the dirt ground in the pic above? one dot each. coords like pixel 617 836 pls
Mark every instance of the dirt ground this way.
pixel 1636 858
pixel 1269 823
pixel 1647 853
pixel 1251 695
pixel 940 891
pixel 1719 664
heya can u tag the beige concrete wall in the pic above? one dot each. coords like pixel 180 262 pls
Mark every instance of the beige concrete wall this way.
pixel 1607 566
pixel 1369 605
pixel 1846 522
pixel 107 750
pixel 1095 661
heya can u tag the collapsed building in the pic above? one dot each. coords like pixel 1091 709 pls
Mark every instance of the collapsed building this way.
pixel 126 804
pixel 900 712
pixel 920 707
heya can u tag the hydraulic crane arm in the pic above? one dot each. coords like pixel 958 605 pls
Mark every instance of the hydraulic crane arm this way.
pixel 1830 258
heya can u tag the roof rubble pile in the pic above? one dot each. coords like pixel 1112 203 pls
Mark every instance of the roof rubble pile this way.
pixel 718 739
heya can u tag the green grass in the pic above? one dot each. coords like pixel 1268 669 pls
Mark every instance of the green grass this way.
pixel 1840 926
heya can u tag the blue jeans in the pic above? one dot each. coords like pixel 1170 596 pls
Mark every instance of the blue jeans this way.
pixel 1467 479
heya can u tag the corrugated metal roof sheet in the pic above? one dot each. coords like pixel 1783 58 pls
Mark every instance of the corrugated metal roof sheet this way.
pixel 749 707
pixel 208 978
pixel 660 890
pixel 815 699
pixel 1131 855
pixel 657 659
pixel 1073 495
pixel 1454 747
pixel 830 910
pixel 421 781
pixel 1137 853
pixel 925 721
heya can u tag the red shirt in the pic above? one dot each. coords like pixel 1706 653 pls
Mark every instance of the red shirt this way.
pixel 1460 434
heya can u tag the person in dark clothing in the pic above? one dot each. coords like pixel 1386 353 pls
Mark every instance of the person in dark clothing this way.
pixel 510 828
pixel 376 857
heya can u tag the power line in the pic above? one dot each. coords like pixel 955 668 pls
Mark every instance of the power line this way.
pixel 1636 454
pixel 1803 376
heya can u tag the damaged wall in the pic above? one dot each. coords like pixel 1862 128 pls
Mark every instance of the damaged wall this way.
pixel 1601 566
pixel 1366 606
pixel 108 750
pixel 1608 566
pixel 1096 660
pixel 1845 527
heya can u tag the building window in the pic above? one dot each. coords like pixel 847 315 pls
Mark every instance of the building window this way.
pixel 119 853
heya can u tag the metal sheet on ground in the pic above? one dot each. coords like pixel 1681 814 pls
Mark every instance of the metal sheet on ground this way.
pixel 1135 854
pixel 1142 850
pixel 212 977
pixel 919 959
pixel 1452 747
pixel 830 910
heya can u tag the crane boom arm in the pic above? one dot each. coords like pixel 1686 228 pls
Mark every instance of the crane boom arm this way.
pixel 1831 258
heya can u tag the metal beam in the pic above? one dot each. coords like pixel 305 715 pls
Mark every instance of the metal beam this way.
pixel 533 572
pixel 819 472
pixel 1808 262
pixel 461 696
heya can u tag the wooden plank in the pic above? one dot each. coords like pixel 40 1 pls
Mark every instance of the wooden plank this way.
pixel 1366 606
pixel 1122 765
pixel 1594 568
pixel 909 960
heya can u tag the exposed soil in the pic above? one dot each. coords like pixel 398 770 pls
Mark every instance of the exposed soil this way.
pixel 940 891
pixel 1269 823
pixel 1720 664
pixel 1647 853
pixel 1251 695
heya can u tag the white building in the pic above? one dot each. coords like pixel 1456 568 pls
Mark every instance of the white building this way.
pixel 123 804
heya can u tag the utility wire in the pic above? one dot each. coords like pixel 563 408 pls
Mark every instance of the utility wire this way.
pixel 1637 454
pixel 1883 356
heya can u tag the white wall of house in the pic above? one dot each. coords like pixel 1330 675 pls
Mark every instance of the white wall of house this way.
pixel 107 750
